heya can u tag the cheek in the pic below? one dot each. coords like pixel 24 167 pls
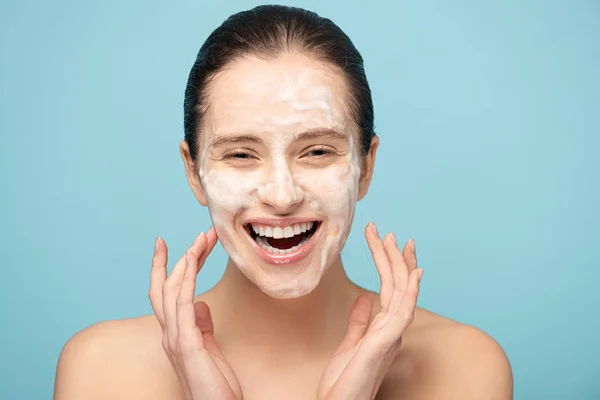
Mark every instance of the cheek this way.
pixel 332 191
pixel 227 192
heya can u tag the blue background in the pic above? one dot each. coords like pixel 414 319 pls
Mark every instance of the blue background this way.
pixel 489 117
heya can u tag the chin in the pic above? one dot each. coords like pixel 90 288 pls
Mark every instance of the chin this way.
pixel 288 291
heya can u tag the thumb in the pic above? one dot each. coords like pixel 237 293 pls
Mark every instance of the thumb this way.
pixel 204 322
pixel 358 322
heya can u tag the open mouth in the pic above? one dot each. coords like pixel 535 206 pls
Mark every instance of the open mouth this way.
pixel 282 240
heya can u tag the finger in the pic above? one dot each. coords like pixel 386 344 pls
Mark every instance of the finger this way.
pixel 187 328
pixel 358 322
pixel 399 270
pixel 170 291
pixel 204 322
pixel 189 335
pixel 178 270
pixel 381 263
pixel 203 318
pixel 406 312
pixel 410 255
pixel 211 241
pixel 197 256
pixel 158 275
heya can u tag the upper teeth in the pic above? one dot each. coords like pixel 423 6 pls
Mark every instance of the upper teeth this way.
pixel 279 232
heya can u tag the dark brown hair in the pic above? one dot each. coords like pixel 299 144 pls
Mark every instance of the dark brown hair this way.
pixel 266 32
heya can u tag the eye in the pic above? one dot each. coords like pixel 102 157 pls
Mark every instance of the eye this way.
pixel 319 152
pixel 238 155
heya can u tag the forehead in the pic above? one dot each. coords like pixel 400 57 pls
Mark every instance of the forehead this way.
pixel 278 96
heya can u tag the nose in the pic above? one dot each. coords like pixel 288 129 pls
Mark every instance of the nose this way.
pixel 279 191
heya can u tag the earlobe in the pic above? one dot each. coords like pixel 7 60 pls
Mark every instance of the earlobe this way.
pixel 368 167
pixel 192 174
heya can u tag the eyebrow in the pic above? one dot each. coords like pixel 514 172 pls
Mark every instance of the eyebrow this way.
pixel 237 139
pixel 302 136
pixel 318 133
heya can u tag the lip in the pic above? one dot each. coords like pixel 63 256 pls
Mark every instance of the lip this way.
pixel 280 259
pixel 278 221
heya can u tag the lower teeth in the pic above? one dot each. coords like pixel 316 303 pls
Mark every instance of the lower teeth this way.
pixel 262 242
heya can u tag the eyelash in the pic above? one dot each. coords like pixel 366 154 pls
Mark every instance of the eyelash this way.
pixel 236 154
pixel 241 155
pixel 324 150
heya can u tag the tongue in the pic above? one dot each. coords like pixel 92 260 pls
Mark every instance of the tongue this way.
pixel 285 243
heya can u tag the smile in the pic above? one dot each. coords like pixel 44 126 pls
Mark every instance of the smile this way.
pixel 280 242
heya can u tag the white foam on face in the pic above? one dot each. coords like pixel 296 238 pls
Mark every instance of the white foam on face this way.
pixel 275 100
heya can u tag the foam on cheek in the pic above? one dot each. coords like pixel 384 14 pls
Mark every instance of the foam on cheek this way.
pixel 332 192
pixel 342 200
pixel 227 193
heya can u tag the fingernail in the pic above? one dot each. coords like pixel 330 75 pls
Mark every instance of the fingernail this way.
pixel 198 238
pixel 374 228
pixel 394 239
pixel 187 257
pixel 156 243
pixel 420 274
pixel 412 246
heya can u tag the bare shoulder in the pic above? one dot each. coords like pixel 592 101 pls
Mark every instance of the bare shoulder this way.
pixel 115 359
pixel 442 358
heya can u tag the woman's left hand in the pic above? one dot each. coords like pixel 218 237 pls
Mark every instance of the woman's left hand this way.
pixel 358 367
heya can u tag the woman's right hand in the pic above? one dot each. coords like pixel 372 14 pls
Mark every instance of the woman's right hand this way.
pixel 187 326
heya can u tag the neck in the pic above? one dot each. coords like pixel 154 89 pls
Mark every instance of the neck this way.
pixel 311 323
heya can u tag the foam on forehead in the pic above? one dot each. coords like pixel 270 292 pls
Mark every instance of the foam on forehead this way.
pixel 276 87
pixel 277 99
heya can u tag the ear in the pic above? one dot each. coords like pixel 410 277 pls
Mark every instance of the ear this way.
pixel 368 166
pixel 192 173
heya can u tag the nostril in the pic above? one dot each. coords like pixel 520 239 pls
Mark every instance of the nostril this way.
pixel 280 195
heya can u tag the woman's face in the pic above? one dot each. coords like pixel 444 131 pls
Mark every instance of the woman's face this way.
pixel 280 169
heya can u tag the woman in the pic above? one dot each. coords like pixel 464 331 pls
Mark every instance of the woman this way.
pixel 279 145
